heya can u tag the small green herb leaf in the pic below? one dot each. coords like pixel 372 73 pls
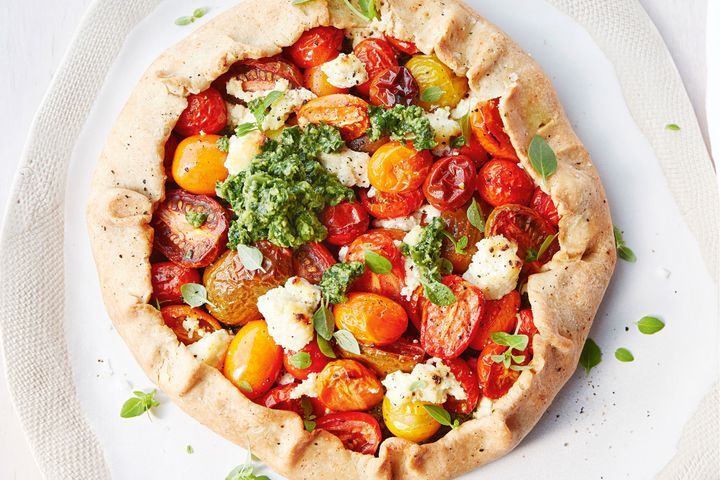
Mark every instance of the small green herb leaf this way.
pixel 624 355
pixel 368 8
pixel 533 255
pixel 590 356
pixel 542 157
pixel 251 257
pixel 417 385
pixel 475 216
pixel 199 12
pixel 458 142
pixel 441 415
pixel 300 360
pixel 189 450
pixel 325 347
pixel 446 266
pixel 431 94
pixel 650 325
pixel 623 251
pixel 377 263
pixel 142 402
pixel 347 341
pixel 259 107
pixel 308 415
pixel 194 294
pixel 196 219
pixel 244 128
pixel 672 126
pixel 324 322
pixel 182 21
pixel 223 144
pixel 437 292
pixel 517 342
pixel 245 386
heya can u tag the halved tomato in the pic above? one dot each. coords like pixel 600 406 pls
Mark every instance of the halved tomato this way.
pixel 472 149
pixel 401 355
pixel 310 260
pixel 181 242
pixel 487 126
pixel 459 226
pixel 393 86
pixel 465 374
pixel 318 360
pixel 398 168
pixel 316 46
pixel 346 112
pixel 175 315
pixel 500 316
pixel 523 226
pixel 344 222
pixel 199 164
pixel 381 241
pixel 430 72
pixel 377 55
pixel 495 380
pixel 502 181
pixel 446 331
pixel 392 205
pixel 167 278
pixel 347 385
pixel 543 204
pixel 205 112
pixel 408 48
pixel 278 398
pixel 316 81
pixel 526 326
pixel 371 318
pixel 357 431
pixel 261 74
pixel 450 183
pixel 253 360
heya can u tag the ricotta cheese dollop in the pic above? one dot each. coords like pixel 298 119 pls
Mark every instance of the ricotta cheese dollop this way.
pixel 495 267
pixel 429 382
pixel 211 348
pixel 345 71
pixel 348 165
pixel 444 127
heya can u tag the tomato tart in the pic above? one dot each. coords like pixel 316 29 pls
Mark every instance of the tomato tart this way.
pixel 355 238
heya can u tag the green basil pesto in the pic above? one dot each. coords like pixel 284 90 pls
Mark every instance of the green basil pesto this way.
pixel 336 279
pixel 402 123
pixel 426 255
pixel 280 194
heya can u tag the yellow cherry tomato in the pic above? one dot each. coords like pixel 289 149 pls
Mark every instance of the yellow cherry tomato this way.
pixel 253 360
pixel 397 168
pixel 199 164
pixel 430 72
pixel 409 420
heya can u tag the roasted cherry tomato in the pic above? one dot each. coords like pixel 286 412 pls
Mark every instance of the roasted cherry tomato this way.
pixel 371 318
pixel 472 149
pixel 167 278
pixel 408 48
pixel 430 72
pixel 446 331
pixel 278 398
pixel 465 374
pixel 502 181
pixel 253 360
pixel 414 307
pixel 523 226
pixel 346 385
pixel 409 420
pixel 401 355
pixel 382 242
pixel 311 260
pixel 176 317
pixel 233 290
pixel 205 112
pixel 316 46
pixel 392 205
pixel 357 431
pixel 316 81
pixel 393 86
pixel 526 326
pixel 346 112
pixel 364 144
pixel 500 316
pixel 487 126
pixel 495 380
pixel 171 145
pixel 459 226
pixel 317 361
pixel 262 74
pixel 183 243
pixel 345 222
pixel 543 204
pixel 397 168
pixel 199 164
pixel 377 55
pixel 450 183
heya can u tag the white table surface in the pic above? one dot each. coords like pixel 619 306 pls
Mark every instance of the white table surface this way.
pixel 34 35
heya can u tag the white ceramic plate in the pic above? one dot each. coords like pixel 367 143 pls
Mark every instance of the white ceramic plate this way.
pixel 621 421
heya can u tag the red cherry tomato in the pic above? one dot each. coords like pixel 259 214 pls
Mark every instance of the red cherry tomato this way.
pixel 502 181
pixel 261 74
pixel 446 331
pixel 167 278
pixel 377 55
pixel 543 204
pixel 182 243
pixel 345 222
pixel 487 126
pixel 382 242
pixel 402 46
pixel 392 205
pixel 500 316
pixel 170 146
pixel 526 326
pixel 474 150
pixel 311 260
pixel 465 374
pixel 316 46
pixel 523 226
pixel 393 86
pixel 175 315
pixel 495 380
pixel 450 183
pixel 357 431
pixel 279 399
pixel 414 307
pixel 318 360
pixel 205 112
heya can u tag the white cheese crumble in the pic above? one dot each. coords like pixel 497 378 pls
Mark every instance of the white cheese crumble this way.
pixel 423 215
pixel 412 278
pixel 306 388
pixel 234 88
pixel 191 325
pixel 429 382
pixel 211 348
pixel 345 71
pixel 242 151
pixel 444 128
pixel 348 165
pixel 342 253
pixel 464 107
pixel 288 312
pixel 495 267
pixel 286 379
pixel 358 34
pixel 372 191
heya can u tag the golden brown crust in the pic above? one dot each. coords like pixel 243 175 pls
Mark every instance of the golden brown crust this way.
pixel 129 182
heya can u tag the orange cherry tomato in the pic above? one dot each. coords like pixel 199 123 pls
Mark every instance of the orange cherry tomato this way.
pixel 310 260
pixel 318 360
pixel 199 164
pixel 357 431
pixel 167 278
pixel 371 318
pixel 175 315
pixel 450 183
pixel 408 48
pixel 446 331
pixel 377 55
pixel 500 316
pixel 543 204
pixel 316 46
pixel 465 374
pixel 180 241
pixel 262 74
pixel 171 145
pixel 397 168
pixel 346 385
pixel 382 242
pixel 344 222
pixel 502 181
pixel 316 81
pixel 459 226
pixel 487 127
pixel 523 226
pixel 393 86
pixel 278 398
pixel 401 355
pixel 205 112
pixel 495 380
pixel 409 420
pixel 346 112
pixel 429 72
pixel 392 205
pixel 253 360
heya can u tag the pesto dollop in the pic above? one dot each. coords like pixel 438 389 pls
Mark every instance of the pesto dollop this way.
pixel 425 253
pixel 335 280
pixel 402 123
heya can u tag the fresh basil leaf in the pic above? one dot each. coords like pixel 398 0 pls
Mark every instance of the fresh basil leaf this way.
pixel 590 356
pixel 377 263
pixel 189 450
pixel 441 415
pixel 625 253
pixel 245 386
pixel 417 385
pixel 200 12
pixel 438 293
pixel 223 143
pixel 251 257
pixel 324 322
pixel 519 368
pixel 624 355
pixel 194 294
pixel 309 425
pixel 369 9
pixel 531 255
pixel 242 472
pixel 182 21
pixel 542 157
pixel 475 216
pixel 139 404
pixel 196 219
pixel 465 127
pixel 672 126
pixel 462 244
pixel 354 10
pixel 498 358
pixel 517 342
pixel 325 347
pixel 259 107
pixel 650 325
pixel 458 142
pixel 545 245
pixel 432 94
pixel 244 128
pixel 347 341
pixel 300 360
pixel 446 266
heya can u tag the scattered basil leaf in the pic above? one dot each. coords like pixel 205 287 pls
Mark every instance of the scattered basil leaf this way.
pixel 672 126
pixel 517 342
pixel 624 355
pixel 194 294
pixel 300 360
pixel 199 12
pixel 189 450
pixel 431 94
pixel 542 157
pixel 245 386
pixel 308 415
pixel 142 402
pixel 182 21
pixel 377 263
pixel 223 143
pixel 437 292
pixel 446 266
pixel 519 368
pixel 244 128
pixel 259 107
pixel 459 244
pixel 590 356
pixel 245 472
pixel 623 251
pixel 417 385
pixel 465 127
pixel 251 257
pixel 325 347
pixel 369 9
pixel 650 325
pixel 196 219
pixel 458 142
pixel 324 322
pixel 475 216
pixel 442 416
pixel 533 255
pixel 347 341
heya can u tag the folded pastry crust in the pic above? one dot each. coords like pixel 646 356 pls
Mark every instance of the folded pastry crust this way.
pixel 128 185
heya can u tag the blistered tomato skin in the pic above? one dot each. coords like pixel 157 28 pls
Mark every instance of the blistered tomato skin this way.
pixel 430 72
pixel 408 48
pixel 198 164
pixel 474 150
pixel 377 55
pixel 167 278
pixel 543 204
pixel 495 380
pixel 499 316
pixel 253 360
pixel 346 112
pixel 523 226
pixel 278 398
pixel 205 112
pixel 397 168
pixel 488 128
pixel 382 242
pixel 409 420
pixel 459 226
pixel 175 315
pixel 345 222
pixel 450 183
pixel 311 260
pixel 371 318
pixel 347 385
pixel 526 326
pixel 401 355
pixel 392 205
pixel 502 181
pixel 316 46
pixel 316 81
pixel 357 431
pixel 263 73
pixel 317 361
pixel 393 86
pixel 465 374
